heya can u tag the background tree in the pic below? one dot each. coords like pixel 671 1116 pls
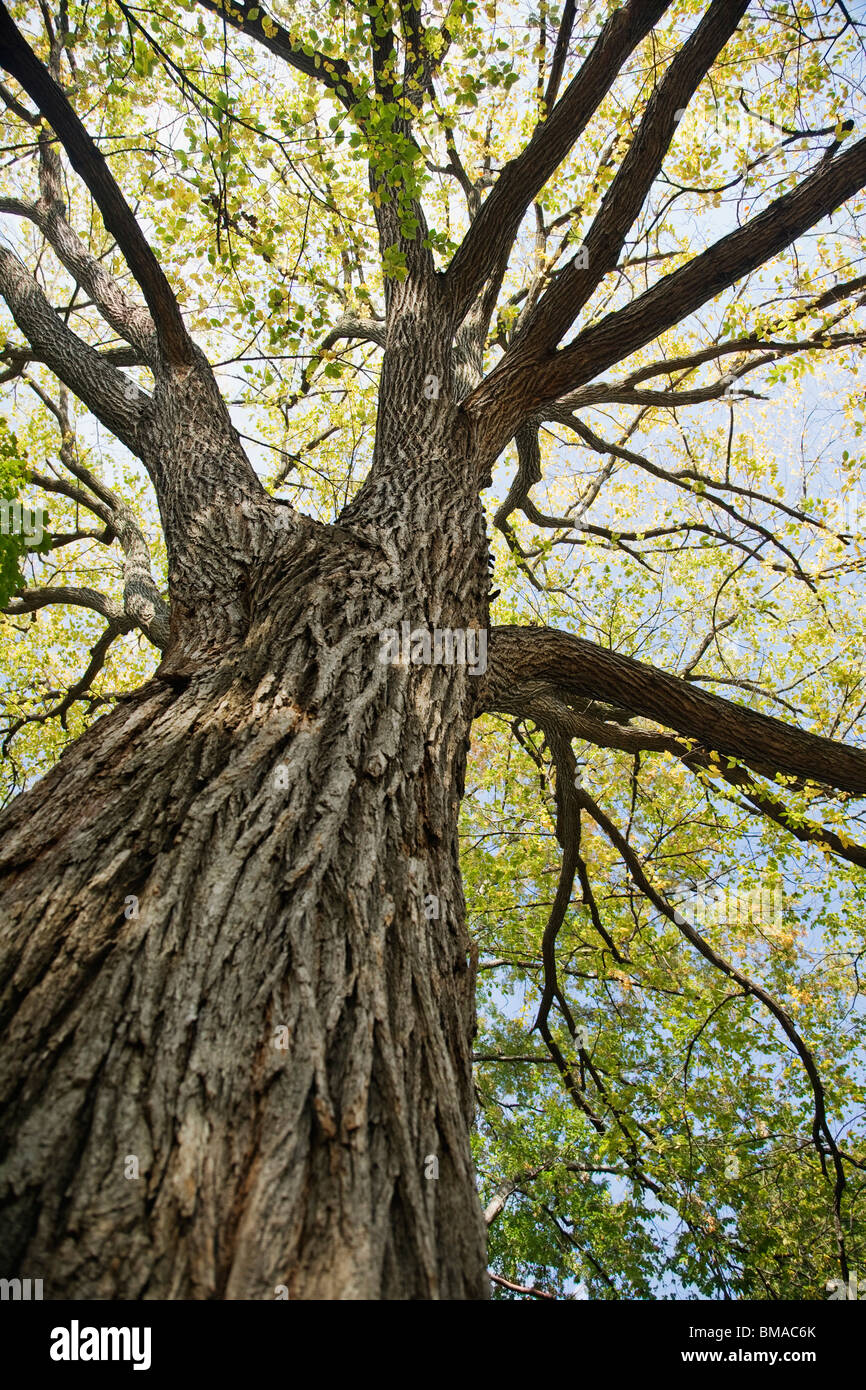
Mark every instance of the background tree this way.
pixel 392 258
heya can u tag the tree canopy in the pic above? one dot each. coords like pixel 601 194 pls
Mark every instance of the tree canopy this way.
pixel 647 222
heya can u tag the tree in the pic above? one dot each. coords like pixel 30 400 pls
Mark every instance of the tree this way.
pixel 238 987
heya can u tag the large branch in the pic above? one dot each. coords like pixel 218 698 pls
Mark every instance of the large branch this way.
pixel 113 398
pixel 542 703
pixel 142 601
pixel 129 320
pixel 560 53
pixel 31 600
pixel 525 382
pixel 18 356
pixel 628 391
pixel 358 326
pixel 492 233
pixel 140 607
pixel 336 75
pixel 578 668
pixel 21 62
pixel 560 306
pixel 254 22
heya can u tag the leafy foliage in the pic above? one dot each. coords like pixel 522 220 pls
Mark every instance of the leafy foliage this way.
pixel 720 538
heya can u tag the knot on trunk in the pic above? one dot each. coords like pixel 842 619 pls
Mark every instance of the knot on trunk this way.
pixel 376 764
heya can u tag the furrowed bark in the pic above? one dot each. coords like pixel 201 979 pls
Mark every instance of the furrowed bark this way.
pixel 236 986
pixel 234 947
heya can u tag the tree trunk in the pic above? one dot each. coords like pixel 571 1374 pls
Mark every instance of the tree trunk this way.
pixel 236 985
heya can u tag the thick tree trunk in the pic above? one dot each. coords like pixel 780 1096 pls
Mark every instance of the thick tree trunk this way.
pixel 238 1035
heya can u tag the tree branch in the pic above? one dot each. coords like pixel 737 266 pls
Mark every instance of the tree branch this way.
pixel 355 326
pixel 559 307
pixel 129 320
pixel 560 53
pixel 142 601
pixel 822 1136
pixel 529 1289
pixel 492 233
pixel 33 599
pixel 522 383
pixel 580 668
pixel 334 73
pixel 98 653
pixel 113 398
pixel 21 62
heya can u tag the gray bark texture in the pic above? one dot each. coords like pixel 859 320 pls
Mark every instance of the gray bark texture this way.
pixel 216 956
pixel 236 985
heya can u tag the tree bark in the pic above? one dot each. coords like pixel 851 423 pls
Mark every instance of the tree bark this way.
pixel 236 987
pixel 222 967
